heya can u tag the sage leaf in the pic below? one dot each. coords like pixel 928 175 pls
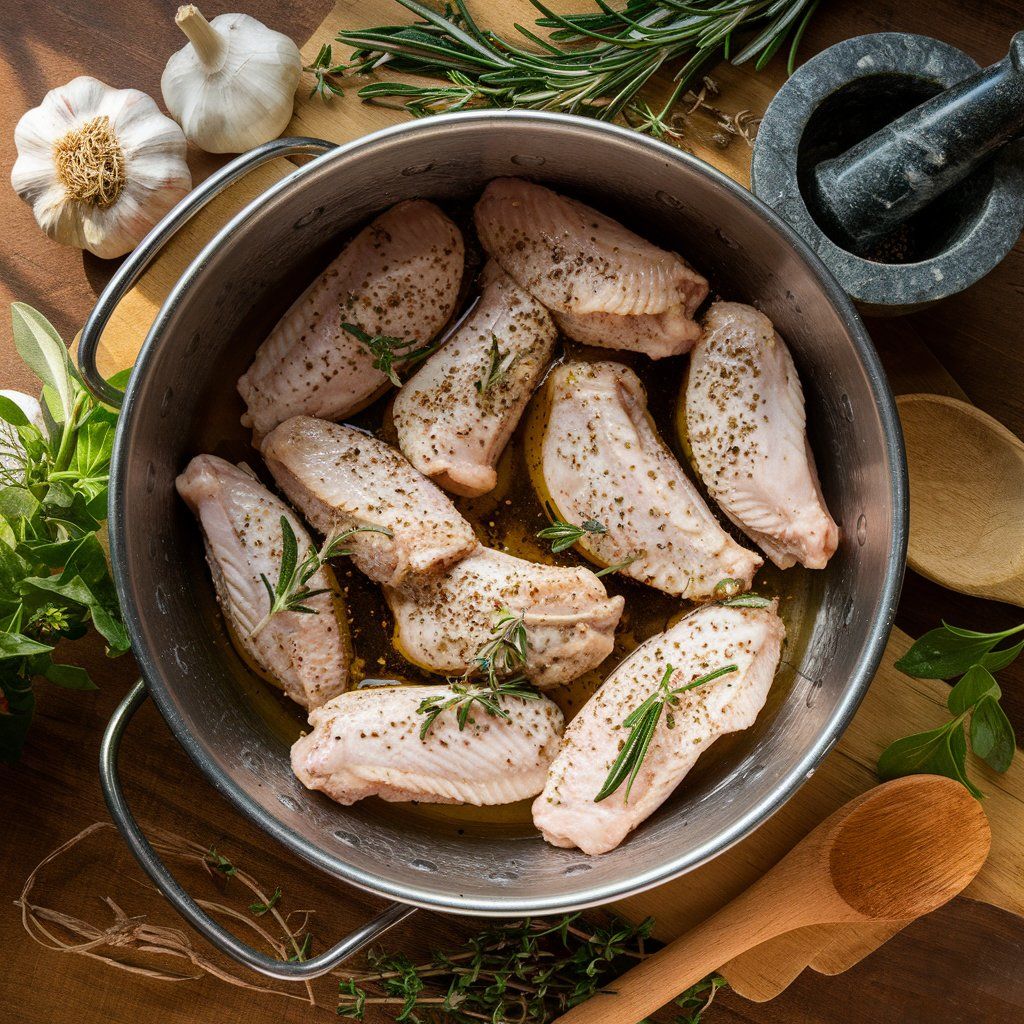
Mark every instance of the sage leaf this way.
pixel 977 682
pixel 45 354
pixel 992 736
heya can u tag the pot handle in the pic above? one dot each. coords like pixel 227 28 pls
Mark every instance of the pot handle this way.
pixel 150 247
pixel 184 904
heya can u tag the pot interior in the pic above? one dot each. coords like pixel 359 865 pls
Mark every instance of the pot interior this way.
pixel 182 401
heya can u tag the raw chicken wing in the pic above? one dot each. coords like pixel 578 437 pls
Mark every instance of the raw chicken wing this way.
pixel 367 743
pixel 747 430
pixel 605 285
pixel 399 277
pixel 342 478
pixel 241 522
pixel 601 460
pixel 444 622
pixel 456 415
pixel 713 637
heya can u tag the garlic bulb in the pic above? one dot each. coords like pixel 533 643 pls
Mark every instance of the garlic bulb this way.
pixel 233 86
pixel 99 166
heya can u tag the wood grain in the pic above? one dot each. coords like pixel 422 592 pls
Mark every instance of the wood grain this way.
pixel 924 971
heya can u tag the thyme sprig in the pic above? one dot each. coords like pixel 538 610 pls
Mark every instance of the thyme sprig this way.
pixel 498 365
pixel 508 648
pixel 291 591
pixel 387 350
pixel 465 696
pixel 563 535
pixel 642 722
pixel 324 69
pixel 602 79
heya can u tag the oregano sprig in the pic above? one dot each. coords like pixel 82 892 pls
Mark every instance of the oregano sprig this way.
pixel 973 704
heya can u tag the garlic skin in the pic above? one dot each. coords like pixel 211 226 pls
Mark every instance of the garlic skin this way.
pixel 99 166
pixel 233 86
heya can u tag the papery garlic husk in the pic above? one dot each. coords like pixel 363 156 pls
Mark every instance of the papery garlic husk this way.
pixel 99 166
pixel 233 86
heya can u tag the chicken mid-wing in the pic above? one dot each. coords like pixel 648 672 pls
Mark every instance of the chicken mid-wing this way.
pixel 343 479
pixel 600 461
pixel 368 743
pixel 455 416
pixel 747 430
pixel 307 654
pixel 745 641
pixel 605 285
pixel 398 278
pixel 448 621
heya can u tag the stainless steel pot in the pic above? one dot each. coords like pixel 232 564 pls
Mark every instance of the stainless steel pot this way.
pixel 206 332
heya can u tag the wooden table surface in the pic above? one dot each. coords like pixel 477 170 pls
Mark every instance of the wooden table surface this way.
pixel 961 964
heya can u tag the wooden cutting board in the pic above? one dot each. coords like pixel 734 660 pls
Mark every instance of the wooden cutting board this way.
pixel 895 705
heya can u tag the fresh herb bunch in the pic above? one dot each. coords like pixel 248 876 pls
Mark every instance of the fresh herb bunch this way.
pixel 563 535
pixel 642 722
pixel 387 350
pixel 291 592
pixel 54 579
pixel 487 698
pixel 592 63
pixel 944 653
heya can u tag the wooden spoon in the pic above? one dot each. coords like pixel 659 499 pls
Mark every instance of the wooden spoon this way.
pixel 896 852
pixel 966 498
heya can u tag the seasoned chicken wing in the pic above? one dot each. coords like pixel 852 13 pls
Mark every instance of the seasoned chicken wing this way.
pixel 399 277
pixel 746 427
pixel 747 641
pixel 367 743
pixel 344 479
pixel 307 654
pixel 605 285
pixel 458 412
pixel 447 621
pixel 599 461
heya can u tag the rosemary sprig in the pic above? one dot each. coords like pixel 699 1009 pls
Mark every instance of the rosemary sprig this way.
pixel 387 350
pixel 290 593
pixel 602 79
pixel 616 566
pixel 498 365
pixel 323 69
pixel 563 535
pixel 488 698
pixel 642 722
pixel 259 908
pixel 508 648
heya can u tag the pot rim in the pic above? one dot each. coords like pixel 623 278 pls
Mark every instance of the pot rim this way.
pixel 855 689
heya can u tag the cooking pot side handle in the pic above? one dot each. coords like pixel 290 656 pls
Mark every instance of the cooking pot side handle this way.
pixel 184 904
pixel 150 247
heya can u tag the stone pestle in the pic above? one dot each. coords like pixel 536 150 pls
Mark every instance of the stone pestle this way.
pixel 880 182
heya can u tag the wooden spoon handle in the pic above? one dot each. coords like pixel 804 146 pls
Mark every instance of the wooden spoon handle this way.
pixel 752 918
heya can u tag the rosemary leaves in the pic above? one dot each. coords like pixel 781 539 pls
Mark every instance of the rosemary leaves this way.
pixel 602 79
pixel 498 365
pixel 563 535
pixel 642 722
pixel 387 350
pixel 465 696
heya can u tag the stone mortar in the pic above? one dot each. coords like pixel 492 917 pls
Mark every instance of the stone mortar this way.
pixel 841 96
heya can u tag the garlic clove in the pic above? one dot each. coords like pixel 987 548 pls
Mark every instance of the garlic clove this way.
pixel 233 86
pixel 99 166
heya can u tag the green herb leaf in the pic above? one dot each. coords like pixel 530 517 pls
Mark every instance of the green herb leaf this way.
pixel 992 737
pixel 747 601
pixel 11 412
pixel 564 535
pixel 464 697
pixel 941 751
pixel 948 651
pixel 616 566
pixel 16 645
pixel 387 350
pixel 508 648
pixel 259 909
pixel 977 682
pixel 45 354
pixel 69 677
pixel 498 365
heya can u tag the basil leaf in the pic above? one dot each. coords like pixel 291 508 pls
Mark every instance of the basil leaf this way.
pixel 11 412
pixel 46 355
pixel 941 751
pixel 942 654
pixel 977 682
pixel 69 677
pixel 17 645
pixel 992 736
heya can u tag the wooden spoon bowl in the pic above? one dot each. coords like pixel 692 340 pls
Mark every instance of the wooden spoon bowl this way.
pixel 896 852
pixel 966 497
